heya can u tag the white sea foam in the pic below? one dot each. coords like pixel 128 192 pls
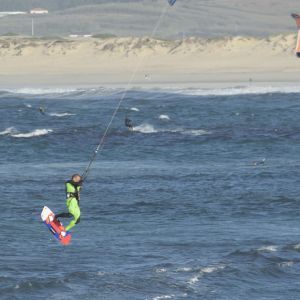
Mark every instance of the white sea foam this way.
pixel 41 91
pixel 229 91
pixel 212 269
pixel 28 105
pixel 134 109
pixel 164 117
pixel 148 128
pixel 203 271
pixel 297 247
pixel 240 90
pixel 184 269
pixel 286 264
pixel 35 133
pixel 60 115
pixel 195 132
pixel 163 297
pixel 145 128
pixel 161 270
pixel 101 273
pixel 64 91
pixel 195 279
pixel 8 131
pixel 270 248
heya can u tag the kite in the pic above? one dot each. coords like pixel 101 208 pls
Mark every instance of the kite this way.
pixel 297 19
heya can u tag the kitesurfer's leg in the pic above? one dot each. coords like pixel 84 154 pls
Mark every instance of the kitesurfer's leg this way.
pixel 74 209
pixel 64 215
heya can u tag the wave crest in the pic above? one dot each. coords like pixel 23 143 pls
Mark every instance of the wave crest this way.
pixel 145 128
pixel 163 297
pixel 60 115
pixel 8 131
pixel 205 270
pixel 104 91
pixel 148 128
pixel 34 133
pixel 240 90
pixel 271 248
pixel 164 117
pixel 41 91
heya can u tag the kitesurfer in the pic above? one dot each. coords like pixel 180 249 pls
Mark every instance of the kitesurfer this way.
pixel 73 188
pixel 128 124
pixel 42 110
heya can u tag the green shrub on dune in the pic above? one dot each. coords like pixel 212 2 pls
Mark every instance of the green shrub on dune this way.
pixel 103 36
pixel 10 34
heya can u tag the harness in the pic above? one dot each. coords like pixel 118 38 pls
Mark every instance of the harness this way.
pixel 128 123
pixel 74 194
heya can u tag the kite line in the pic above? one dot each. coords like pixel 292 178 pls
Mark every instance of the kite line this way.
pixel 99 147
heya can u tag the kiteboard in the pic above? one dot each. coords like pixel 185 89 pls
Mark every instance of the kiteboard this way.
pixel 55 226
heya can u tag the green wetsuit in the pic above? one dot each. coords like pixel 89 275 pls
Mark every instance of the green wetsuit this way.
pixel 72 191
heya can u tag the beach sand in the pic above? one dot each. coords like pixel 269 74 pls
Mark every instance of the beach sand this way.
pixel 145 62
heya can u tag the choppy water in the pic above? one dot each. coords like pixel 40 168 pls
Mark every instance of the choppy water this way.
pixel 174 210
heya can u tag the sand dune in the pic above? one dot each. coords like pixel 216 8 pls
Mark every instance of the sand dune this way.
pixel 91 61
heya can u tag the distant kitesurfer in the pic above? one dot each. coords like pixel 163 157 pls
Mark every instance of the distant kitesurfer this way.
pixel 259 162
pixel 42 110
pixel 73 188
pixel 128 124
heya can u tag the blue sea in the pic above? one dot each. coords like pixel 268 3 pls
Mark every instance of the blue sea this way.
pixel 200 201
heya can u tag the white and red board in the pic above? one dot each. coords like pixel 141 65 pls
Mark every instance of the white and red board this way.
pixel 55 226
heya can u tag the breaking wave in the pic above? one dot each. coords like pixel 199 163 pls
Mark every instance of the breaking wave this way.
pixel 41 91
pixel 148 128
pixel 145 128
pixel 66 93
pixel 163 297
pixel 102 91
pixel 205 270
pixel 8 131
pixel 270 248
pixel 239 90
pixel 35 133
pixel 195 132
pixel 164 117
pixel 60 115
pixel 286 264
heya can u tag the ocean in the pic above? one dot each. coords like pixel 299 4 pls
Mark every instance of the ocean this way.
pixel 199 201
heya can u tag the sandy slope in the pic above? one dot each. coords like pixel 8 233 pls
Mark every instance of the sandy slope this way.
pixel 191 61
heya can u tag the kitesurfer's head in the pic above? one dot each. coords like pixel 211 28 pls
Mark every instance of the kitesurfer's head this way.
pixel 76 178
